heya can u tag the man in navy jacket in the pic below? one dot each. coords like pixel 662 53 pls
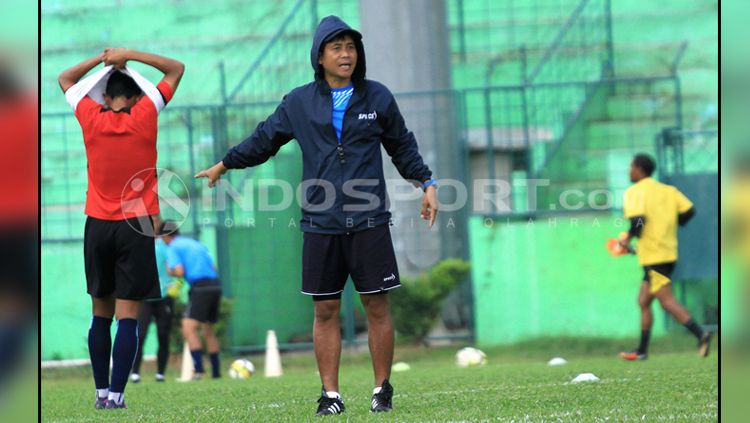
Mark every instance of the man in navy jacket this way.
pixel 340 120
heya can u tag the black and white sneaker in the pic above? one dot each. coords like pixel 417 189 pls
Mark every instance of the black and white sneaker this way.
pixel 111 404
pixel 383 399
pixel 100 403
pixel 328 405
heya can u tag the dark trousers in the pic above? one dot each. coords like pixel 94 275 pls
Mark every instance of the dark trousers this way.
pixel 161 311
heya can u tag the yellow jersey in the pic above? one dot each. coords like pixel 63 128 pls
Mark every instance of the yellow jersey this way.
pixel 659 204
pixel 736 210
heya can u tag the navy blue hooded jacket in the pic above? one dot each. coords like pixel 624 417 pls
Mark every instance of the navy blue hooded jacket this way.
pixel 337 198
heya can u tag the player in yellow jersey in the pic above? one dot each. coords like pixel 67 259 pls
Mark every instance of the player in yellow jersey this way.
pixel 654 210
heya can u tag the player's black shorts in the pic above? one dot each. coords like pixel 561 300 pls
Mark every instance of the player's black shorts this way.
pixel 328 260
pixel 204 298
pixel 665 269
pixel 120 258
pixel 19 265
pixel 657 276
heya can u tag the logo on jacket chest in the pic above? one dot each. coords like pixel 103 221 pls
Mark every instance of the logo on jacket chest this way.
pixel 368 116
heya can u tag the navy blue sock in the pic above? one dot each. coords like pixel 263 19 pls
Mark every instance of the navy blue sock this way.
pixel 197 360
pixel 100 346
pixel 123 353
pixel 215 364
pixel 13 340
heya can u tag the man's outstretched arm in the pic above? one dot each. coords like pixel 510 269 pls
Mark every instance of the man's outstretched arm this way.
pixel 269 136
pixel 171 68
pixel 69 77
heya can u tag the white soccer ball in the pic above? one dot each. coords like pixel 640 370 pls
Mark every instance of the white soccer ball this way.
pixel 470 357
pixel 241 369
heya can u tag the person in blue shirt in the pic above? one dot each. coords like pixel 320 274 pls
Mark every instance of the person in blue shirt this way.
pixel 189 259
pixel 340 121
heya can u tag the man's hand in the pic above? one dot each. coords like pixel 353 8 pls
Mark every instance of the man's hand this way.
pixel 174 288
pixel 213 173
pixel 116 57
pixel 624 241
pixel 429 205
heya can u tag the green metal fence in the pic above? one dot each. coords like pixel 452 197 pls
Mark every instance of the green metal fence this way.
pixel 568 33
pixel 564 118
pixel 258 250
pixel 284 61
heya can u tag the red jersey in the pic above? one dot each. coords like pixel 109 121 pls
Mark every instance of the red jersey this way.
pixel 19 120
pixel 121 155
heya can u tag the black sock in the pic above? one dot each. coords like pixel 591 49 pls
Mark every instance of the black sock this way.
pixel 123 353
pixel 215 364
pixel 13 338
pixel 694 328
pixel 645 336
pixel 100 347
pixel 197 360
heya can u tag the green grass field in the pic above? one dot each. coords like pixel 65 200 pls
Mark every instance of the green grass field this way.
pixel 516 385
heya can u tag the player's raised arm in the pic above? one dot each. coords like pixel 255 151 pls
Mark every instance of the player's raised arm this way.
pixel 171 68
pixel 70 76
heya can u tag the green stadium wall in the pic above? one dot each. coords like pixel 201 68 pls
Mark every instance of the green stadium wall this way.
pixel 553 278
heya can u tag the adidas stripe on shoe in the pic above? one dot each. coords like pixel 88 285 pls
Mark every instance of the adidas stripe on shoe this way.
pixel 329 405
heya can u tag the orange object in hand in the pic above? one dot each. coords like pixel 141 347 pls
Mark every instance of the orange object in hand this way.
pixel 614 247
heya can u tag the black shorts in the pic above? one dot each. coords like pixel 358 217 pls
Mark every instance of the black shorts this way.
pixel 19 266
pixel 120 259
pixel 665 269
pixel 328 260
pixel 204 298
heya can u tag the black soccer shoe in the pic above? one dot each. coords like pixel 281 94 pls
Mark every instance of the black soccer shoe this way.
pixel 383 400
pixel 704 344
pixel 327 406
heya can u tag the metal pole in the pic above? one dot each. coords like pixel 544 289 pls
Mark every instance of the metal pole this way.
pixel 218 121
pixel 678 100
pixel 462 30
pixel 223 82
pixel 526 138
pixel 191 187
pixel 314 14
pixel 610 46
pixel 67 179
pixel 677 84
pixel 488 128
pixel 488 119
pixel 677 147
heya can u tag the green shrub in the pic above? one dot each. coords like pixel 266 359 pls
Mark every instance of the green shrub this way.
pixel 416 305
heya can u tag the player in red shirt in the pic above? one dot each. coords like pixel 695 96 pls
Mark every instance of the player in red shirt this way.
pixel 119 131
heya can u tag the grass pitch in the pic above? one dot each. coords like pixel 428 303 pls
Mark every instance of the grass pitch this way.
pixel 516 385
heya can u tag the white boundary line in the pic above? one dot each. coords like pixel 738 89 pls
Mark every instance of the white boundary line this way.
pixel 52 364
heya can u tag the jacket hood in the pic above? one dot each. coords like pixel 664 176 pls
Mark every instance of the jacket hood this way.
pixel 329 27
